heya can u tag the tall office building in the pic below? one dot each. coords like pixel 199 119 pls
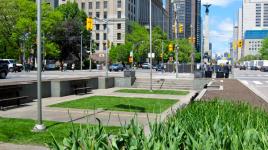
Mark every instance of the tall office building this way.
pixel 189 15
pixel 253 16
pixel 119 14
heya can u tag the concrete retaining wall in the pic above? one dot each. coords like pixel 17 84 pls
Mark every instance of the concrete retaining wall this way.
pixel 124 82
pixel 105 83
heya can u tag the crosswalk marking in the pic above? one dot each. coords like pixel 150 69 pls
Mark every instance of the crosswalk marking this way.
pixel 266 81
pixel 244 82
pixel 257 82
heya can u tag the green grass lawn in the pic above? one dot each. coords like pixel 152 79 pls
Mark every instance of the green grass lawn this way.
pixel 165 92
pixel 119 104
pixel 19 131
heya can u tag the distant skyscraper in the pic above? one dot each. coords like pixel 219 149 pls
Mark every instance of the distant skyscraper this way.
pixel 188 14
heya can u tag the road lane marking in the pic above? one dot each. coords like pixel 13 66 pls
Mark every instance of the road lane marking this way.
pixel 244 82
pixel 257 82
pixel 266 81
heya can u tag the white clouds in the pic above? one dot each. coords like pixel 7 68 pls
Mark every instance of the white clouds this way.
pixel 221 34
pixel 218 2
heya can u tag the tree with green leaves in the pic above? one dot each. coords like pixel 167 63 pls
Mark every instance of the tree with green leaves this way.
pixel 185 50
pixel 67 33
pixel 264 49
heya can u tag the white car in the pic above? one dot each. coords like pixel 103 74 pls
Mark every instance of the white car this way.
pixel 11 62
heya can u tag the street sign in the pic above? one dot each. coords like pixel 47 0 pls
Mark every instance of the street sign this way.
pixel 131 54
pixel 149 55
pixel 89 25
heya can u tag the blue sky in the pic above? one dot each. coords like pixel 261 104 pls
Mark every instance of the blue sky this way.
pixel 222 14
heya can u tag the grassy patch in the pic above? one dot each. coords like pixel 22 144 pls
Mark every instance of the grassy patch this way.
pixel 143 91
pixel 19 131
pixel 201 125
pixel 119 104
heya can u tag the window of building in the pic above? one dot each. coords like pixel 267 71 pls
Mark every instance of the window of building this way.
pixel 105 4
pixel 104 27
pixel 105 15
pixel 83 5
pixel 97 46
pixel 89 5
pixel 118 14
pixel 97 36
pixel 97 27
pixel 97 5
pixel 118 26
pixel 119 3
pixel 104 36
pixel 118 36
pixel 90 14
pixel 98 14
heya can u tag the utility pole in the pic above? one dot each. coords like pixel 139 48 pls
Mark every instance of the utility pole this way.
pixel 81 52
pixel 151 57
pixel 90 55
pixel 176 36
pixel 108 45
pixel 39 126
pixel 192 54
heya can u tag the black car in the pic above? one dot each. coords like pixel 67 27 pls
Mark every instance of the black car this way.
pixel 243 67
pixel 3 69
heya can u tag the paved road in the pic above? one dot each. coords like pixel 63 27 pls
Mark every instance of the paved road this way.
pixel 48 75
pixel 255 80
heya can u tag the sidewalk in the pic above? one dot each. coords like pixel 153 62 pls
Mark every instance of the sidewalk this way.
pixel 235 91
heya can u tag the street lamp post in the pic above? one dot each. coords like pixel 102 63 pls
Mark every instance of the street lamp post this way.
pixel 81 51
pixel 90 55
pixel 176 36
pixel 39 126
pixel 151 57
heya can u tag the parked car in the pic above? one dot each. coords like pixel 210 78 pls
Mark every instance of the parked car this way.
pixel 243 67
pixel 146 66
pixel 3 69
pixel 13 65
pixel 159 67
pixel 264 66
pixel 51 67
pixel 116 67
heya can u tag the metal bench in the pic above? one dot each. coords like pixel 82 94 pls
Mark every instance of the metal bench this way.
pixel 11 101
pixel 84 89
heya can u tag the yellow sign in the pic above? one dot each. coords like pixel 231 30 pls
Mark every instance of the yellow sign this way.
pixel 89 25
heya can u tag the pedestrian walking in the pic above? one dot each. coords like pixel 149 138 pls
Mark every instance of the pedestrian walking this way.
pixel 73 66
pixel 61 66
pixel 226 70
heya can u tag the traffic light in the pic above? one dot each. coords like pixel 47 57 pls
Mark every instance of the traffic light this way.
pixel 90 23
pixel 240 44
pixel 161 55
pixel 170 47
pixel 109 44
pixel 173 28
pixel 192 40
pixel 234 45
pixel 181 28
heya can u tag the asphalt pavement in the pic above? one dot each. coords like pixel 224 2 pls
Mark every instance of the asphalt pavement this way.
pixel 255 80
pixel 49 75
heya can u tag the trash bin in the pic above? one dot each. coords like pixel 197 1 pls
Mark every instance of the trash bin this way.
pixel 198 74
pixel 219 74
pixel 208 74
